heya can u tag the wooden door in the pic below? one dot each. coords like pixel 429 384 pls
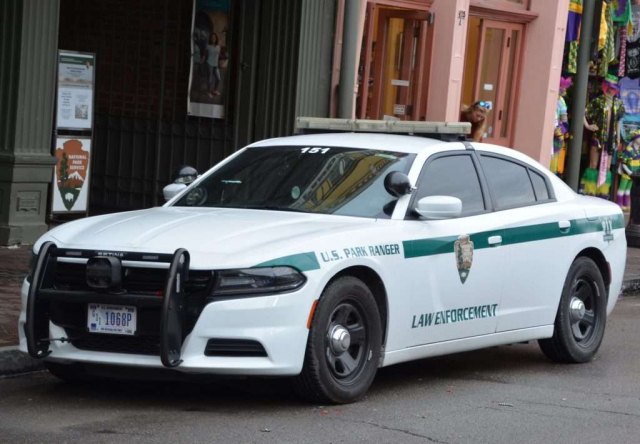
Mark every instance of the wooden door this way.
pixel 396 65
pixel 496 79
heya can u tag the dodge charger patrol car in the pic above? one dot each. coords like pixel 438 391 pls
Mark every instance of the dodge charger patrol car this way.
pixel 326 255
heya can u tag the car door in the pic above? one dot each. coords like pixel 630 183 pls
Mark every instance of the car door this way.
pixel 534 242
pixel 455 264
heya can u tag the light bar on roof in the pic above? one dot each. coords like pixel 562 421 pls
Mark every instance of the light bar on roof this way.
pixel 381 126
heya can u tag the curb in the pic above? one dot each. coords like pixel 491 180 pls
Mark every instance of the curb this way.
pixel 631 286
pixel 13 362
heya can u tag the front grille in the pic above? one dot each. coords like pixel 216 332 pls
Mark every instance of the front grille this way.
pixel 234 348
pixel 139 344
pixel 135 280
pixel 145 284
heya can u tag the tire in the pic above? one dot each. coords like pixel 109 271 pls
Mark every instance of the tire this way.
pixel 331 373
pixel 578 331
pixel 69 373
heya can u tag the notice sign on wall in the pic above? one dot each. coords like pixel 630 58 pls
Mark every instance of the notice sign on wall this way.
pixel 71 175
pixel 75 91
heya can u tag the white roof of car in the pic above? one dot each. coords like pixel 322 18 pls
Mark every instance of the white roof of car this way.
pixel 375 141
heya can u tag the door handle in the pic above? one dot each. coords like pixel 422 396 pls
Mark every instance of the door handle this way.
pixel 564 225
pixel 494 240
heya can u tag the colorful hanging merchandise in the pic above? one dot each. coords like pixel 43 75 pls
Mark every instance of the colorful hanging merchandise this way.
pixel 629 163
pixel 622 67
pixel 561 132
pixel 622 13
pixel 602 116
pixel 607 40
pixel 573 34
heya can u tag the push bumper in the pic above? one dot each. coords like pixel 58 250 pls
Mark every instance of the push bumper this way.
pixel 276 322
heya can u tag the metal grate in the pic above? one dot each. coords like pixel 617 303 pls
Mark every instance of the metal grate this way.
pixel 143 57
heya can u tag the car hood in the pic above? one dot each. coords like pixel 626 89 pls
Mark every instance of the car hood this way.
pixel 228 235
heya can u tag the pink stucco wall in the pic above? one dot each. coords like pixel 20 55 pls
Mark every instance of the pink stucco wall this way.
pixel 540 74
pixel 541 69
pixel 445 86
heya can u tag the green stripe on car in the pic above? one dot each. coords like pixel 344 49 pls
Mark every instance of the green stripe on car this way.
pixel 301 261
pixel 510 236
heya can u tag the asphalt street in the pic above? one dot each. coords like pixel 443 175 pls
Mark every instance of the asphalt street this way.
pixel 509 394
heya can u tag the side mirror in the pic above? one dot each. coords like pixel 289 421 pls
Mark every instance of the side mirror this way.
pixel 439 207
pixel 397 184
pixel 181 177
pixel 184 174
pixel 172 190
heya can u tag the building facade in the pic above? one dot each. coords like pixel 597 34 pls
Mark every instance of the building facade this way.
pixel 505 52
pixel 415 59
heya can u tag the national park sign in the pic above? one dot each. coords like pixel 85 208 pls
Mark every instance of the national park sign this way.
pixel 71 178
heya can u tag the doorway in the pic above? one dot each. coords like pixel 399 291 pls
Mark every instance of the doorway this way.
pixel 394 68
pixel 491 74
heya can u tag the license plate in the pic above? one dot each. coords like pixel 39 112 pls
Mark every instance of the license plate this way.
pixel 112 319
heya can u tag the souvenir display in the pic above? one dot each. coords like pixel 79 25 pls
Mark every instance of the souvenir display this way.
pixel 628 164
pixel 561 131
pixel 602 117
pixel 613 100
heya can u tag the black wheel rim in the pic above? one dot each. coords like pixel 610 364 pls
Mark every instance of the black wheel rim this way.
pixel 346 342
pixel 584 314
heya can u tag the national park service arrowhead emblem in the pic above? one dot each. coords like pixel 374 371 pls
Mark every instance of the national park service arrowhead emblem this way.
pixel 71 171
pixel 463 252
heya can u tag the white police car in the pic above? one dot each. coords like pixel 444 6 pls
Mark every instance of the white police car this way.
pixel 325 256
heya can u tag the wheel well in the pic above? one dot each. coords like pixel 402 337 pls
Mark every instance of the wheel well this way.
pixel 596 256
pixel 375 284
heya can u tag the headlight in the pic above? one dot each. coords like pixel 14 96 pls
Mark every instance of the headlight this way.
pixel 253 281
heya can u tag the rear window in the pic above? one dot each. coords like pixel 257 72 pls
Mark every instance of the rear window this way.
pixel 509 182
pixel 539 186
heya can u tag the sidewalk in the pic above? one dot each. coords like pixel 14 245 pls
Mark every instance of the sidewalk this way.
pixel 14 266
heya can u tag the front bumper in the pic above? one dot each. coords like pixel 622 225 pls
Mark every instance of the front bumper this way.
pixel 276 325
pixel 277 322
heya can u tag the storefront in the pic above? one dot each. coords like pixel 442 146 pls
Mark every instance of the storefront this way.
pixel 426 59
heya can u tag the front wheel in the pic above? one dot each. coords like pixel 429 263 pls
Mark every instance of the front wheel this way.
pixel 582 314
pixel 343 349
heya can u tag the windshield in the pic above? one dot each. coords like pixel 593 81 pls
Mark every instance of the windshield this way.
pixel 344 181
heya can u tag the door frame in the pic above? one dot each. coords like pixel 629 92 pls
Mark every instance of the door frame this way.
pixel 504 65
pixel 424 51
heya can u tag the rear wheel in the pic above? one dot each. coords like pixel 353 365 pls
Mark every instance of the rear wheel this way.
pixel 343 349
pixel 580 322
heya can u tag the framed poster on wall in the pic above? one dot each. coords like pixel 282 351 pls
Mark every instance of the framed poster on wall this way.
pixel 208 81
pixel 71 175
pixel 75 90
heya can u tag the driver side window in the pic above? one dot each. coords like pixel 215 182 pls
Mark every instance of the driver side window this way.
pixel 453 176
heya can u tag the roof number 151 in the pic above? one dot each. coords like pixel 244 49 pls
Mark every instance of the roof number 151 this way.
pixel 310 150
